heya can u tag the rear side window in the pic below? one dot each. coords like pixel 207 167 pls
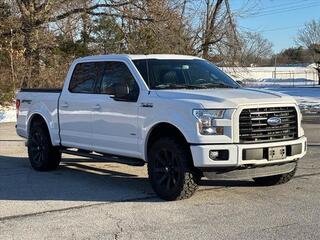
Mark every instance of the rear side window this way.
pixel 84 78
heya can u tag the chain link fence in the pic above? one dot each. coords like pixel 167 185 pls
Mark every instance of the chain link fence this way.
pixel 275 77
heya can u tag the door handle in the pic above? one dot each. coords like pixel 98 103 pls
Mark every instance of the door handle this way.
pixel 64 105
pixel 97 107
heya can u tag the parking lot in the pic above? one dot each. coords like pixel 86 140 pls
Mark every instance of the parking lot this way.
pixel 85 199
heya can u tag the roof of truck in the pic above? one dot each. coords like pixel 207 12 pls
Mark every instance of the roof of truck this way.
pixel 135 57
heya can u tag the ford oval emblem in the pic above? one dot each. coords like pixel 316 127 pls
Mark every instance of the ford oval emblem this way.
pixel 274 121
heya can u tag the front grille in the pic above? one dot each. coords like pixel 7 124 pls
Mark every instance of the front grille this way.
pixel 254 127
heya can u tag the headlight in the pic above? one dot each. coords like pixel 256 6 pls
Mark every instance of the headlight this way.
pixel 205 119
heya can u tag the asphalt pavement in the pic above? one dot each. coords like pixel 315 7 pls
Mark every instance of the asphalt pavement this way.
pixel 85 199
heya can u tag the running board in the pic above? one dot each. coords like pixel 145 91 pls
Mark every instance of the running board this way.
pixel 107 157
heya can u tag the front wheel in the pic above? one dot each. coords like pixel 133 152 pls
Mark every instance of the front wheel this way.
pixel 171 172
pixel 276 179
pixel 42 155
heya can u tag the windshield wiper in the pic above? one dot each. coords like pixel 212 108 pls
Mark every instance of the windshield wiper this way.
pixel 179 86
pixel 215 85
pixel 194 86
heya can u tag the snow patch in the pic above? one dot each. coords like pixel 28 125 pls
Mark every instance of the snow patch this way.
pixel 308 98
pixel 7 114
pixel 274 83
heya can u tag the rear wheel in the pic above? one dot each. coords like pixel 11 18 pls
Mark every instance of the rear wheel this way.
pixel 276 179
pixel 170 169
pixel 42 155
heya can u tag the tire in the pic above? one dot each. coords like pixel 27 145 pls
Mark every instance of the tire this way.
pixel 276 179
pixel 42 155
pixel 171 172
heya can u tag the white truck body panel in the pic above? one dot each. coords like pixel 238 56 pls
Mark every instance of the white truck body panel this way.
pixel 43 104
pixel 115 127
pixel 76 120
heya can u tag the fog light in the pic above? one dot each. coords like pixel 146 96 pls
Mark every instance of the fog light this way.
pixel 219 155
pixel 213 154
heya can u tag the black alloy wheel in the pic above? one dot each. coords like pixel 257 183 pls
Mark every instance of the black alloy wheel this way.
pixel 171 172
pixel 42 155
pixel 167 169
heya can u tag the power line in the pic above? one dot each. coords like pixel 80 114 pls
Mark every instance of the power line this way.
pixel 270 30
pixel 287 5
pixel 284 10
pixel 278 29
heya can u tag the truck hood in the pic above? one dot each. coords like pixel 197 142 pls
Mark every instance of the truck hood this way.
pixel 226 97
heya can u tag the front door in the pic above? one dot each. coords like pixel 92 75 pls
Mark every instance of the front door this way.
pixel 115 121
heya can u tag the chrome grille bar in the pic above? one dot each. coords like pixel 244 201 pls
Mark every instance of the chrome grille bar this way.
pixel 254 128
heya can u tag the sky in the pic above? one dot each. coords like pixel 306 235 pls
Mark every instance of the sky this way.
pixel 279 21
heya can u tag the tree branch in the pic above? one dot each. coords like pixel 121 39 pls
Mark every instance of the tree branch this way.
pixel 121 15
pixel 86 10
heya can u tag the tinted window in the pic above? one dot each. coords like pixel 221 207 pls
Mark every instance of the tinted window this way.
pixel 84 77
pixel 114 73
pixel 141 65
pixel 167 73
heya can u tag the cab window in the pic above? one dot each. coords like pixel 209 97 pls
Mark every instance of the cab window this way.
pixel 84 78
pixel 117 73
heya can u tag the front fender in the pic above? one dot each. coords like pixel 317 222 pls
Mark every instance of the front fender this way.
pixel 185 124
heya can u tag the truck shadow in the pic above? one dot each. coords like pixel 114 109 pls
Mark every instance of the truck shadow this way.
pixel 81 180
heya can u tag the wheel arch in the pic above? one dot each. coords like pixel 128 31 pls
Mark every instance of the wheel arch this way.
pixel 38 117
pixel 162 129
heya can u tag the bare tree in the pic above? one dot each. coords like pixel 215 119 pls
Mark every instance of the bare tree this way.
pixel 253 49
pixel 217 28
pixel 165 34
pixel 34 15
pixel 309 37
pixel 43 36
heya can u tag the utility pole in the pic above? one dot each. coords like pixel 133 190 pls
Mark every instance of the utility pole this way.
pixel 275 66
pixel 11 63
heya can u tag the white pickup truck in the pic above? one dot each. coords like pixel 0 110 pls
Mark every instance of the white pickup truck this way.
pixel 180 114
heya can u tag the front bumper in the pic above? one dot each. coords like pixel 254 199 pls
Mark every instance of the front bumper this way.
pixel 251 172
pixel 201 159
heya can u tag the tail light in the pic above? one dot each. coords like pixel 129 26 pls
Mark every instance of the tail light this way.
pixel 17 106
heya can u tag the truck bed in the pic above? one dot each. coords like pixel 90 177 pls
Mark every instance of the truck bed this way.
pixel 41 100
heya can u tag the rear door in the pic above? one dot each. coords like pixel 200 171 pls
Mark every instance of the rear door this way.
pixel 76 107
pixel 115 121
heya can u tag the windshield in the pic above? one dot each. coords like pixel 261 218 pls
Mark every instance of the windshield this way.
pixel 175 74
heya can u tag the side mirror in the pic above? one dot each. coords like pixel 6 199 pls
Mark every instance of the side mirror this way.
pixel 121 92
